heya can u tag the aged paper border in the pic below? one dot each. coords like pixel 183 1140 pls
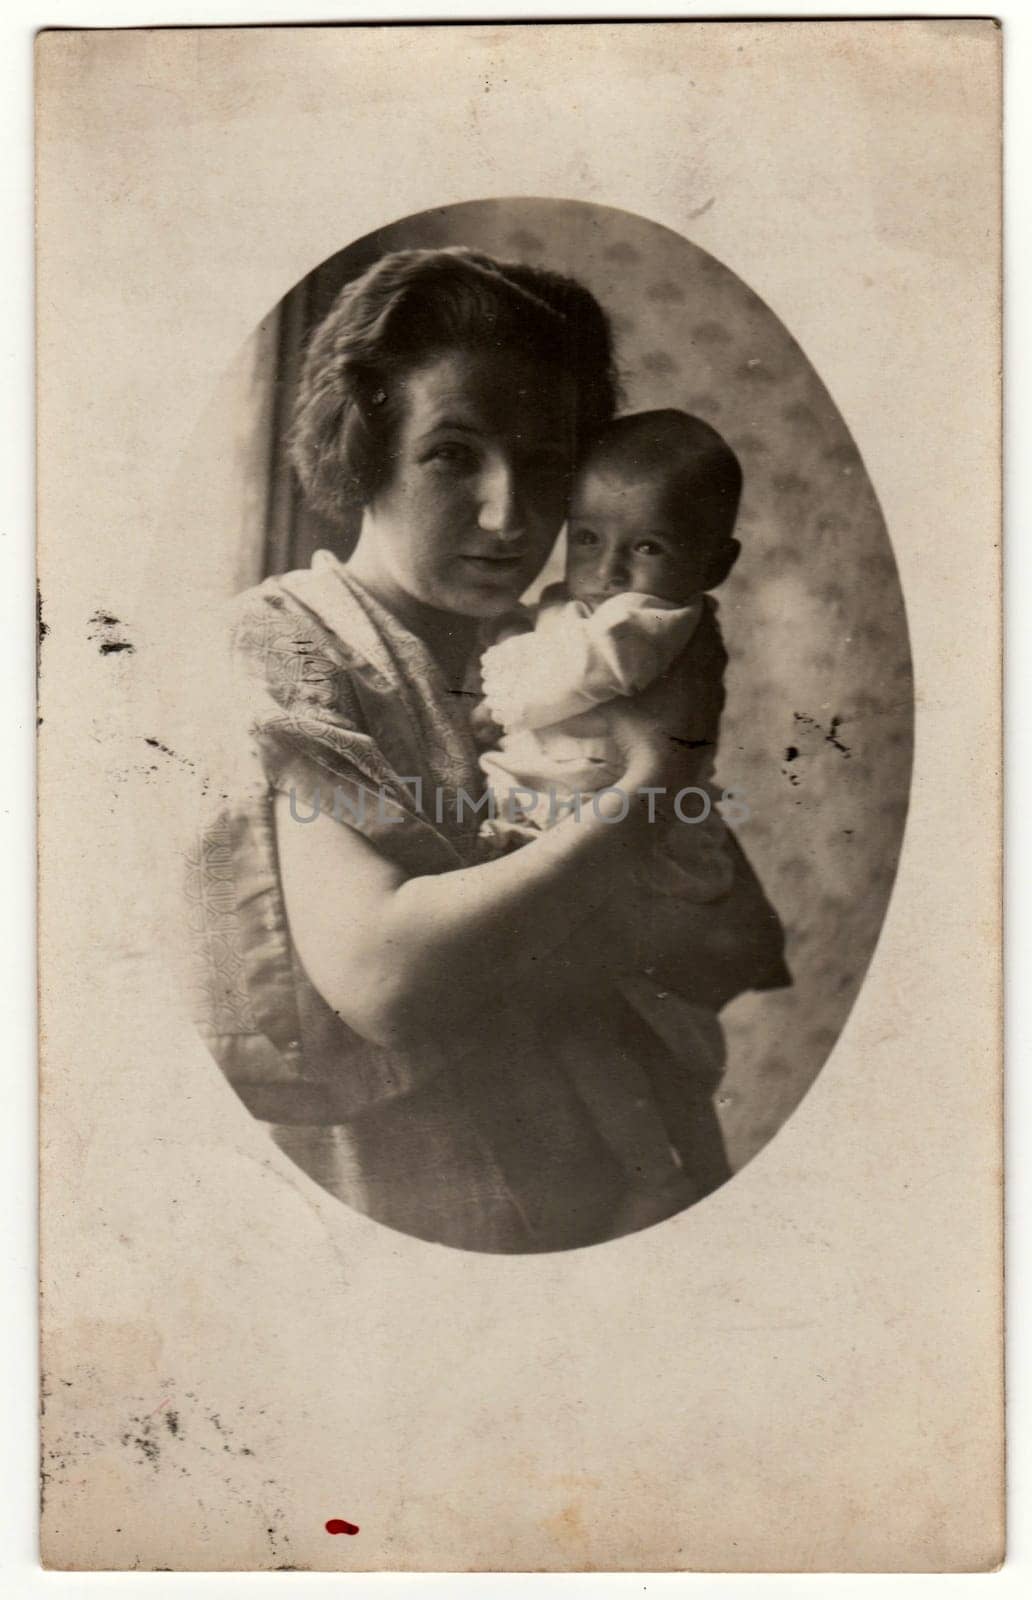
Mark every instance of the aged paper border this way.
pixel 825 371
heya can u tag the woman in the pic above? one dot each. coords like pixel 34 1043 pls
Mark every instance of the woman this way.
pixel 404 1013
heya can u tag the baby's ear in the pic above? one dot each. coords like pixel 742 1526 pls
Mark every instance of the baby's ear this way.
pixel 722 562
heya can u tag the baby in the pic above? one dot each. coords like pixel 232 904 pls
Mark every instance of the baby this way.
pixel 649 533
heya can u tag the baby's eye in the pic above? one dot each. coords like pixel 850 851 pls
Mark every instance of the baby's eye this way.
pixel 649 547
pixel 583 536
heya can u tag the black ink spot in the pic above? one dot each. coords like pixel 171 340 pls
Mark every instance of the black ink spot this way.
pixel 156 744
pixel 829 735
pixel 104 622
pixel 791 754
pixel 833 739
pixel 144 1441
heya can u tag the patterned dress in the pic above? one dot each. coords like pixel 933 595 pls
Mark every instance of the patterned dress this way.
pixel 479 1139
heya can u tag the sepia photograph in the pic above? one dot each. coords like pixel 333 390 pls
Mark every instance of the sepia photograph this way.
pixel 519 715
pixel 573 721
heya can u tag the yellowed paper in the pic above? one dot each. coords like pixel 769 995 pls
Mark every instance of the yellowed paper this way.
pixel 794 231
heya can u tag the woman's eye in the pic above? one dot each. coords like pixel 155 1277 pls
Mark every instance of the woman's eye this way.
pixel 584 536
pixel 451 455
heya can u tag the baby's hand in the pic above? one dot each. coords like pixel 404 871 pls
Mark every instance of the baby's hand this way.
pixel 486 731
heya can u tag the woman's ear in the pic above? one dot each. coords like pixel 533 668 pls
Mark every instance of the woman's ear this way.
pixel 723 560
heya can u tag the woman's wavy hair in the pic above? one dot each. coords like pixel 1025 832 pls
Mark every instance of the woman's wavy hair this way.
pixel 408 308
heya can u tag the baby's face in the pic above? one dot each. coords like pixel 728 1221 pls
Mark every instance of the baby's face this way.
pixel 633 535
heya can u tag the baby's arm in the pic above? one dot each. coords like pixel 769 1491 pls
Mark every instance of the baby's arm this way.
pixel 633 639
pixel 574 662
pixel 529 683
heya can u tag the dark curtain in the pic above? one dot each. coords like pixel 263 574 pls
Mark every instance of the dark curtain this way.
pixel 293 531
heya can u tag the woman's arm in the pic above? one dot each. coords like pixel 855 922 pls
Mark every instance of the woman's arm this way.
pixel 398 957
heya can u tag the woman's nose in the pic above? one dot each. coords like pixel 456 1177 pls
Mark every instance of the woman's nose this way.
pixel 500 508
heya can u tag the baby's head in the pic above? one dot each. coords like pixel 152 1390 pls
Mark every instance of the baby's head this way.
pixel 653 510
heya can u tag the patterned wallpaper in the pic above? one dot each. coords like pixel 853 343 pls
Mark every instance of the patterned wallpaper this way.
pixel 818 728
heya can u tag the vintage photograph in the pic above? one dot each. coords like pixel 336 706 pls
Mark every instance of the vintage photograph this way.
pixel 519 532
pixel 573 719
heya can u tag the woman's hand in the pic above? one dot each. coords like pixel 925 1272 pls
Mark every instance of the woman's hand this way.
pixel 652 758
pixel 404 960
pixel 486 731
pixel 669 732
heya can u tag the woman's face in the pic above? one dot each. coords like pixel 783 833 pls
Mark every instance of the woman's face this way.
pixel 482 472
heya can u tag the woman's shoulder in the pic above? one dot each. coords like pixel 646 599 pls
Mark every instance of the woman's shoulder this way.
pixel 279 642
pixel 269 607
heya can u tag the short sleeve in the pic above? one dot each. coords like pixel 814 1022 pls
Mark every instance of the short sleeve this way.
pixel 305 701
pixel 300 718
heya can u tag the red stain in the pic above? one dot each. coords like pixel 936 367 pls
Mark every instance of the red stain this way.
pixel 338 1525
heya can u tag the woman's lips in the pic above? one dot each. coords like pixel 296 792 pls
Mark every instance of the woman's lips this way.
pixel 499 565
